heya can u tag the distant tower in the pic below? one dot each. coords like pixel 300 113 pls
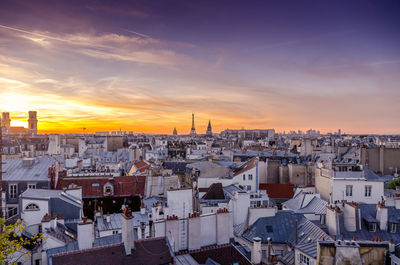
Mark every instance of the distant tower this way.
pixel 209 130
pixel 193 130
pixel 175 132
pixel 32 122
pixel 5 122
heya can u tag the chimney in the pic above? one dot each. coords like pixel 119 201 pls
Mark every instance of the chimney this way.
pixel 85 233
pixel 45 222
pixel 382 216
pixel 334 220
pixel 397 203
pixel 392 246
pixel 60 219
pixel 151 224
pixel 53 222
pixel 108 218
pixel 256 251
pixel 127 231
pixel 352 217
pixel 142 209
pixel 269 249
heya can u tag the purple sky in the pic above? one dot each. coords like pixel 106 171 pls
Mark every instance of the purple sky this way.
pixel 147 65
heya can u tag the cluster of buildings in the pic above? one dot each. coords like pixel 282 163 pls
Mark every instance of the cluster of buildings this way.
pixel 235 197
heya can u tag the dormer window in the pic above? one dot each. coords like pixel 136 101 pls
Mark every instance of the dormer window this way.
pixel 371 227
pixel 32 207
pixel 392 227
pixel 108 189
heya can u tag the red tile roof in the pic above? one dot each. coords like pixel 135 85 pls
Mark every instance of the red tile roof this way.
pixel 278 191
pixel 94 186
pixel 148 251
pixel 142 165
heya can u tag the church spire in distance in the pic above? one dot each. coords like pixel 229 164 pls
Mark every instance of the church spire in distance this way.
pixel 209 130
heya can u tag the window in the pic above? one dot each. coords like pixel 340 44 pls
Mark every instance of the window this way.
pixel 250 177
pixel 368 189
pixel 115 232
pixel 31 186
pixel 37 262
pixel 244 177
pixel 13 191
pixel 393 227
pixel 264 253
pixel 32 207
pixel 349 190
pixel 372 227
pixel 248 187
pixel 304 260
pixel 108 189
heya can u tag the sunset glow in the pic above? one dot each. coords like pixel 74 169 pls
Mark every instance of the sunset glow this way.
pixel 145 67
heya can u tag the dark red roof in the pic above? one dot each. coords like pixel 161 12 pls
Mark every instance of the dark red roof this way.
pixel 223 254
pixel 215 192
pixel 148 251
pixel 93 186
pixel 142 165
pixel 278 191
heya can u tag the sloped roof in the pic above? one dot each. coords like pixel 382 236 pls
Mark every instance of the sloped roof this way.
pixel 15 170
pixel 288 258
pixel 316 206
pixel 147 251
pixel 93 186
pixel 142 165
pixel 223 254
pixel 297 204
pixel 249 164
pixel 280 229
pixel 368 213
pixel 309 249
pixel 215 192
pixel 278 191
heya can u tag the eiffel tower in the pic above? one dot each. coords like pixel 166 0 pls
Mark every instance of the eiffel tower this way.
pixel 193 130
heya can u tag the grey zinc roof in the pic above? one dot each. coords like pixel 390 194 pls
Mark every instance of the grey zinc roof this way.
pixel 281 226
pixel 15 171
pixel 288 258
pixel 62 233
pixel 309 249
pixel 316 206
pixel 230 190
pixel 368 214
pixel 150 201
pixel 45 194
pixel 296 202
pixel 116 222
pixel 277 227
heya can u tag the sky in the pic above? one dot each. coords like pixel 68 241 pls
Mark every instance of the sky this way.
pixel 146 66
